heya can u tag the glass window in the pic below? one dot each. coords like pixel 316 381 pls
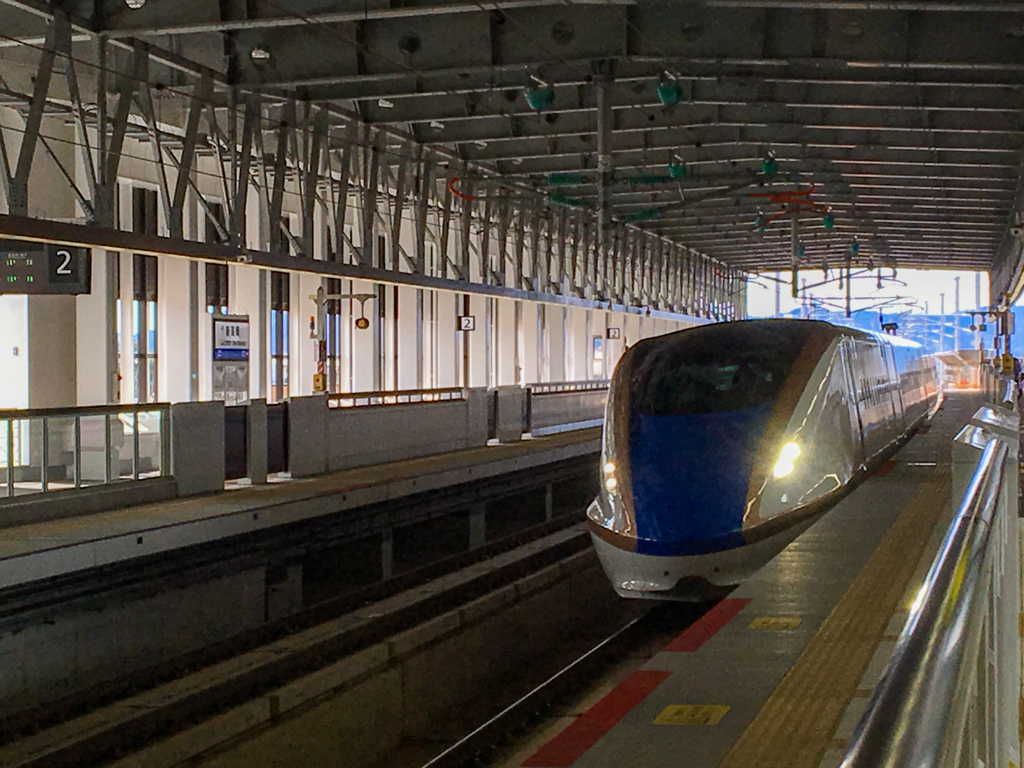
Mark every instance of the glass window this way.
pixel 144 290
pixel 280 287
pixel 712 369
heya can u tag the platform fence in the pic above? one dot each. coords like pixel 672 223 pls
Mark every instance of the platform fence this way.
pixel 564 406
pixel 54 449
pixel 950 695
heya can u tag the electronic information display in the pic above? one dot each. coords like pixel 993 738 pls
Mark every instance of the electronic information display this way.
pixel 43 268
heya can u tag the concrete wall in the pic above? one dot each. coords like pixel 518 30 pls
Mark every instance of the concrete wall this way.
pixel 197 447
pixel 107 638
pixel 440 677
pixel 363 436
pixel 308 435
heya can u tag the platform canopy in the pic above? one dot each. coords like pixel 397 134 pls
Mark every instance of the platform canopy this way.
pixel 893 125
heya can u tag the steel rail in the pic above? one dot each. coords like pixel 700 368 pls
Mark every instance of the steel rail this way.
pixel 915 717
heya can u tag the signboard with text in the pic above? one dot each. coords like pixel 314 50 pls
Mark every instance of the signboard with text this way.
pixel 231 359
pixel 43 268
pixel 230 338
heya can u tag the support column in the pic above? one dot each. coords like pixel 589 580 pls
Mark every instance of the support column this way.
pixel 605 124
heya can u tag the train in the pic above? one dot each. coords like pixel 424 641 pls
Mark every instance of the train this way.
pixel 723 442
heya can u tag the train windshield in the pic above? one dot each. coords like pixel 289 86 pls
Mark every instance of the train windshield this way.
pixel 717 368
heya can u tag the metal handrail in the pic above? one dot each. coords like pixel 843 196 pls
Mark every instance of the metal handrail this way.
pixel 558 387
pixel 1009 393
pixel 915 717
pixel 85 410
pixel 13 440
pixel 394 397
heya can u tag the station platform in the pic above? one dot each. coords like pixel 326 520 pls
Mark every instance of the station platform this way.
pixel 780 672
pixel 37 551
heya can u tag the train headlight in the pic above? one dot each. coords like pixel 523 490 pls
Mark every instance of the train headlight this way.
pixel 609 467
pixel 610 484
pixel 787 459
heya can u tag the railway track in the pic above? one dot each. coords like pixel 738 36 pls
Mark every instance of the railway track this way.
pixel 637 639
pixel 35 604
pixel 259 665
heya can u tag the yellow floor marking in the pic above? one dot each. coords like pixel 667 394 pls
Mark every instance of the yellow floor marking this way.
pixel 795 726
pixel 775 622
pixel 692 714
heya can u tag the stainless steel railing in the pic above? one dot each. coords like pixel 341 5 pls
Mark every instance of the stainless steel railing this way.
pixel 926 710
pixel 394 397
pixel 559 387
pixel 49 449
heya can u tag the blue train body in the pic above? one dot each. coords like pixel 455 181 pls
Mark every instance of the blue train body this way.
pixel 723 442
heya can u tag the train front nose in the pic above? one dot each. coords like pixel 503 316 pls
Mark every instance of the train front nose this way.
pixel 690 476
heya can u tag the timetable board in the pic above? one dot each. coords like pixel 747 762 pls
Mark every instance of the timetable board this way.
pixel 43 268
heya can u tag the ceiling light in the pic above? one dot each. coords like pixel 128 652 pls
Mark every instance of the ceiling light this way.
pixel 259 55
pixel 437 125
pixel 135 4
pixel 481 144
pixel 385 104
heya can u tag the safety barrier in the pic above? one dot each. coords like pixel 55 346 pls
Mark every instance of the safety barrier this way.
pixel 950 694
pixel 51 449
pixel 564 406
pixel 208 443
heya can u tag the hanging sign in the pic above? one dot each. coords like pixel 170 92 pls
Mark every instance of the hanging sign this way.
pixel 43 268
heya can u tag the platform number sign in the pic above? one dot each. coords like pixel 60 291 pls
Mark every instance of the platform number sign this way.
pixel 467 322
pixel 43 268
pixel 614 333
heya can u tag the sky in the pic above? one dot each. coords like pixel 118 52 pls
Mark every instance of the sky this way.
pixel 916 290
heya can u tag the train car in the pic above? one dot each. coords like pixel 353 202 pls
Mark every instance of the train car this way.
pixel 724 442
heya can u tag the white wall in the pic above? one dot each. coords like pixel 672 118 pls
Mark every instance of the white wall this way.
pixel 14 351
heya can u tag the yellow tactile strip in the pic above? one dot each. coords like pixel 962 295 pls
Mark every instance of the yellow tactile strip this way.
pixel 796 724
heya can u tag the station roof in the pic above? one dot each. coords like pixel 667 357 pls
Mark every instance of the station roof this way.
pixel 904 118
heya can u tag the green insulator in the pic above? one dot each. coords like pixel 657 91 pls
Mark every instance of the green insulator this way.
pixel 800 251
pixel 645 215
pixel 641 181
pixel 829 220
pixel 566 179
pixel 539 98
pixel 670 93
pixel 676 170
pixel 769 167
pixel 855 249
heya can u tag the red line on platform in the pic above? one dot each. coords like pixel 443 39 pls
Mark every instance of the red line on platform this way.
pixel 886 468
pixel 702 630
pixel 568 746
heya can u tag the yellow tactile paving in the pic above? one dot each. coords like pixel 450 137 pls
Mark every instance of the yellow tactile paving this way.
pixel 797 723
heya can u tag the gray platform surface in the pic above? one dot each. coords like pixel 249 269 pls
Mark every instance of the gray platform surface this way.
pixel 41 550
pixel 795 695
